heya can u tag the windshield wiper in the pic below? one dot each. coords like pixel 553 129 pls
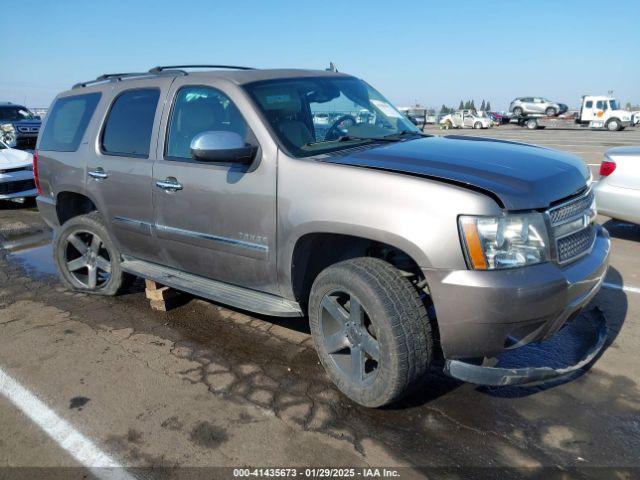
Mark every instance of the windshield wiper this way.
pixel 403 133
pixel 394 137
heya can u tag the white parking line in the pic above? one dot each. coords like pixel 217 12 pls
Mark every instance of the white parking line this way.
pixel 615 286
pixel 61 432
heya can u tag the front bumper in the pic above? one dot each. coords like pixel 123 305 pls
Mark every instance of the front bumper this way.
pixel 482 313
pixel 17 184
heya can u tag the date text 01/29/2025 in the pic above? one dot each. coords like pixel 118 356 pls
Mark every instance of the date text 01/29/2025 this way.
pixel 317 472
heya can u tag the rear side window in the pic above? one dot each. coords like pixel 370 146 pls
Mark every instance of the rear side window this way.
pixel 589 104
pixel 67 122
pixel 127 131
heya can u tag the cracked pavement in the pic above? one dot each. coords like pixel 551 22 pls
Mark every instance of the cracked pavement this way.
pixel 204 385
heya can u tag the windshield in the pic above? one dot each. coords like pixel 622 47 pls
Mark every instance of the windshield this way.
pixel 312 116
pixel 613 104
pixel 15 113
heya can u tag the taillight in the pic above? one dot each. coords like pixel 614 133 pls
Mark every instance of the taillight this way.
pixel 607 167
pixel 36 178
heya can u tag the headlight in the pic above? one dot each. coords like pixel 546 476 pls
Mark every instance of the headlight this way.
pixel 507 241
pixel 8 134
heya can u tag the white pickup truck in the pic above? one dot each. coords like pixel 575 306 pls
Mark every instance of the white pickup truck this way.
pixel 465 119
pixel 596 111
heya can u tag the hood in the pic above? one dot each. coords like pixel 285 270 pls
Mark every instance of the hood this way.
pixel 520 176
pixel 12 158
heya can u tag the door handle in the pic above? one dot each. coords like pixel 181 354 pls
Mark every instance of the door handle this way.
pixel 98 174
pixel 170 184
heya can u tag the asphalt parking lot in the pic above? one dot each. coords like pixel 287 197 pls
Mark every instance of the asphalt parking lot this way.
pixel 207 386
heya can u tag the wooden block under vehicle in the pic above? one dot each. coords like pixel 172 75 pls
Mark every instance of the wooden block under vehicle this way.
pixel 164 293
pixel 152 284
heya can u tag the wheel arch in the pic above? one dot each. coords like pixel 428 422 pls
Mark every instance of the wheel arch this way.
pixel 316 249
pixel 71 203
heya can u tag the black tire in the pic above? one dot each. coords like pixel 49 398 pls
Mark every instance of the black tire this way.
pixel 83 229
pixel 531 124
pixel 517 111
pixel 551 112
pixel 393 316
pixel 477 125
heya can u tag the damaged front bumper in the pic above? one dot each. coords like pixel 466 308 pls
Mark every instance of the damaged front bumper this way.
pixel 497 376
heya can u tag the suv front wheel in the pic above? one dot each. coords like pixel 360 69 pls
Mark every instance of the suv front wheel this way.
pixel 86 257
pixel 370 329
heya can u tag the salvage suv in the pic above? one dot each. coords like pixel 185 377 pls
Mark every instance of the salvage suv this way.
pixel 401 248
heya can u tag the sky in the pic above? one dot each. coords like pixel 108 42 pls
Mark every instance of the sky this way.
pixel 432 52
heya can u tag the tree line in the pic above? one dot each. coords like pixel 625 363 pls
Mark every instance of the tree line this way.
pixel 468 105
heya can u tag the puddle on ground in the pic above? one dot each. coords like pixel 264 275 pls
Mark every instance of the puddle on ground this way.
pixel 33 252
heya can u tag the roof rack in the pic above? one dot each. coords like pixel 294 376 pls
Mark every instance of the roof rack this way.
pixel 156 70
pixel 112 77
pixel 160 70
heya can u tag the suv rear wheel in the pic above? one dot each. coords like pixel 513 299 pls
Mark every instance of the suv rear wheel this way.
pixel 370 329
pixel 550 112
pixel 86 258
pixel 517 111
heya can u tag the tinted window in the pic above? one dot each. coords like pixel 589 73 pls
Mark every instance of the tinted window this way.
pixel 589 104
pixel 15 113
pixel 201 109
pixel 130 122
pixel 67 122
pixel 599 104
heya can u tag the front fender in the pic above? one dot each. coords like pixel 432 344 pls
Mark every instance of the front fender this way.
pixel 413 214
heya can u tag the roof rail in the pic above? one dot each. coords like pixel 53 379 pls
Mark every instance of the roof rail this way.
pixel 113 77
pixel 160 70
pixel 156 70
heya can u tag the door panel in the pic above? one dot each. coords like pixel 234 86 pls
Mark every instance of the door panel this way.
pixel 119 181
pixel 221 223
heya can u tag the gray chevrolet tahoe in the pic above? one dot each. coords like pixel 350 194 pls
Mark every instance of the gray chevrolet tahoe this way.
pixel 402 249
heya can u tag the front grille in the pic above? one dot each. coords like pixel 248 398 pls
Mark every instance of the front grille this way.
pixel 26 142
pixel 11 170
pixel 28 129
pixel 576 244
pixel 16 187
pixel 570 209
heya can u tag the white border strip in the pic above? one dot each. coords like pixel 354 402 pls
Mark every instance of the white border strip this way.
pixel 615 286
pixel 61 432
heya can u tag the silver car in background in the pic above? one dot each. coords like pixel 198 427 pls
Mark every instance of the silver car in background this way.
pixel 618 191
pixel 536 105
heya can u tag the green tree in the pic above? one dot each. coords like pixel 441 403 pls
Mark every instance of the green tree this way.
pixel 488 106
pixel 472 106
pixel 461 106
pixel 482 105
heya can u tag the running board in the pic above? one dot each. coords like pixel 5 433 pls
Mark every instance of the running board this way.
pixel 221 292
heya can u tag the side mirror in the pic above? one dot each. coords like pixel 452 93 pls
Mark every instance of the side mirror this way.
pixel 222 146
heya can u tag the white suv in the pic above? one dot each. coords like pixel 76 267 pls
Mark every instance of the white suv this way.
pixel 529 105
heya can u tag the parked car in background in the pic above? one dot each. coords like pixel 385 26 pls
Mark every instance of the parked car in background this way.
pixel 465 119
pixel 527 105
pixel 417 116
pixel 16 173
pixel 19 127
pixel 618 190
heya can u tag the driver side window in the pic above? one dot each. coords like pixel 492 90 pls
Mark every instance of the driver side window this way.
pixel 199 109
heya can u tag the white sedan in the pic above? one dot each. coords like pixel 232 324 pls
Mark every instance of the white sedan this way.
pixel 16 173
pixel 618 190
